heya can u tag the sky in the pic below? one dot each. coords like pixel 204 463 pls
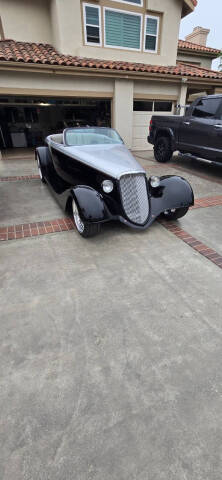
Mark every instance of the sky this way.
pixel 208 14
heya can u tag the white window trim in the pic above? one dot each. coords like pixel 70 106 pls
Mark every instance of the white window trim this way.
pixel 130 3
pixel 156 36
pixel 90 25
pixel 128 13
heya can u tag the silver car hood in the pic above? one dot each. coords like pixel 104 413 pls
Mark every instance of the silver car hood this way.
pixel 113 160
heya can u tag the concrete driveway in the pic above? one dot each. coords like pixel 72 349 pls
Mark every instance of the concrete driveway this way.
pixel 110 348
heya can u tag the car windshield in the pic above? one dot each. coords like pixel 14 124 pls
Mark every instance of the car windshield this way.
pixel 91 136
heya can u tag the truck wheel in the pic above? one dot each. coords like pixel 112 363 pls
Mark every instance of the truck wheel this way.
pixel 175 213
pixel 84 229
pixel 162 149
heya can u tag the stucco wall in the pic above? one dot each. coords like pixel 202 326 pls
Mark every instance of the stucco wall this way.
pixel 156 89
pixel 68 32
pixel 66 25
pixel 26 20
pixel 189 58
pixel 44 81
pixel 30 81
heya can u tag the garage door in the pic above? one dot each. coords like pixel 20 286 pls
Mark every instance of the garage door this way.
pixel 142 113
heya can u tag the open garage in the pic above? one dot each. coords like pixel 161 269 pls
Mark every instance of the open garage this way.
pixel 26 121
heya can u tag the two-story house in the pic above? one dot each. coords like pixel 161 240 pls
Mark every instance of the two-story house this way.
pixel 74 62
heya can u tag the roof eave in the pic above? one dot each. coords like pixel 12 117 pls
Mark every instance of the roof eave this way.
pixel 188 7
pixel 201 53
pixel 108 73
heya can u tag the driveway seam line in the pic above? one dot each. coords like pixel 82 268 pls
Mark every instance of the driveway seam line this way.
pixel 19 177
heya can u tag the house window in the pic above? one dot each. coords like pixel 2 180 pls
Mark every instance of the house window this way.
pixel 152 106
pixel 162 106
pixel 92 24
pixel 142 106
pixel 151 31
pixel 122 30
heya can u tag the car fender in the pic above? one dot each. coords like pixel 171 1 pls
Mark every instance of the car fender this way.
pixel 173 192
pixel 90 203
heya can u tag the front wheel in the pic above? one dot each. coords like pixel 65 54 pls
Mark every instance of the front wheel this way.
pixel 175 213
pixel 84 229
pixel 162 149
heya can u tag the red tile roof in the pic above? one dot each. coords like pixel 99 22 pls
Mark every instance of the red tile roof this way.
pixel 38 53
pixel 184 45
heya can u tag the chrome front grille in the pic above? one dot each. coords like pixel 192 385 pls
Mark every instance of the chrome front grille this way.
pixel 134 197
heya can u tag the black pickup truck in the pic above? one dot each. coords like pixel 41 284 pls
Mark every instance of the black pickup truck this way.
pixel 197 133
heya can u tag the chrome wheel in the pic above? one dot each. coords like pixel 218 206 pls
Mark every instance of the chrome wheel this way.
pixel 78 222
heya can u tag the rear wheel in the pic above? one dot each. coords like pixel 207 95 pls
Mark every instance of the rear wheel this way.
pixel 40 170
pixel 84 229
pixel 162 149
pixel 175 213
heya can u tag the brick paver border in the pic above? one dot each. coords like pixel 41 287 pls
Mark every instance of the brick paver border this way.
pixel 207 202
pixel 200 247
pixel 35 229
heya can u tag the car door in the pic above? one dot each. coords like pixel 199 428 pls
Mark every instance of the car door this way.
pixel 199 132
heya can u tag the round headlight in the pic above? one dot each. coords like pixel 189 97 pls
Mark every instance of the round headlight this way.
pixel 107 186
pixel 154 181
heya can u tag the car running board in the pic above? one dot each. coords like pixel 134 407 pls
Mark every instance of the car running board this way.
pixel 192 157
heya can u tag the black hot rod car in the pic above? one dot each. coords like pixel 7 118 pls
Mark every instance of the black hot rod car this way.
pixel 92 173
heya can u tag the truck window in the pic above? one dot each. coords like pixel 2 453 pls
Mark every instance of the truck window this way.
pixel 206 107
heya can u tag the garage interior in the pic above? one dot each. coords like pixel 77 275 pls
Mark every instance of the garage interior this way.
pixel 26 121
